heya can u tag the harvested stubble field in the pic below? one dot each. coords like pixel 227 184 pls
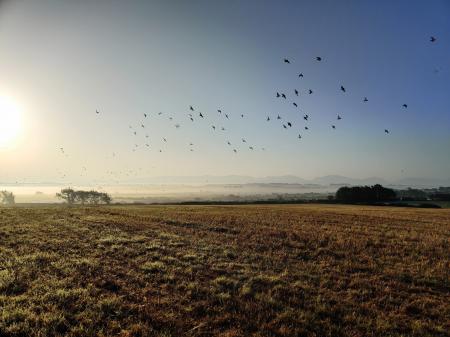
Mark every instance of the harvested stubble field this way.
pixel 252 270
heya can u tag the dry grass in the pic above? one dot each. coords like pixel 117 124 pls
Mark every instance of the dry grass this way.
pixel 224 270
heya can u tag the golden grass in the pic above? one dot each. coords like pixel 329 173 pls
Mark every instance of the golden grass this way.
pixel 284 270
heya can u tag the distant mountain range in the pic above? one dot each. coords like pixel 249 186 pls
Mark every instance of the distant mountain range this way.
pixel 291 179
pixel 330 180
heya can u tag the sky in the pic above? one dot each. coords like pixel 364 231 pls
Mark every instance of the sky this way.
pixel 60 61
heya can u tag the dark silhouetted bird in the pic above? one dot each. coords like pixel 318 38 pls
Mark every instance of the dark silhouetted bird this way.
pixel 214 128
pixel 268 118
pixel 145 115
pixel 296 92
pixel 299 136
pixel 228 143
pixel 226 116
pixel 432 39
pixel 342 88
pixel 405 105
pixel 295 104
pixel 318 58
pixel 278 94
pixel 365 99
pixel 310 91
pixel 333 126
pixel 279 117
pixel 219 111
pixel 386 130
pixel 289 124
pixel 286 61
pixel 339 117
pixel 201 115
pixel 250 147
pixel 165 140
pixel 306 128
pixel 243 140
pixel 97 111
pixel 305 117
pixel 300 75
pixel 142 126
pixel 234 150
pixel 283 95
pixel 284 126
pixel 190 107
pixel 242 115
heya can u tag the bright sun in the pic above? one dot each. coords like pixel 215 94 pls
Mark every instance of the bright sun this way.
pixel 10 122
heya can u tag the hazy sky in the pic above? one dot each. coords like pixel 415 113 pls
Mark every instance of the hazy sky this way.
pixel 62 60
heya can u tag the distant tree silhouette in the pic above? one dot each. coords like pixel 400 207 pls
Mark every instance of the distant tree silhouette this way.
pixel 84 197
pixel 365 194
pixel 440 196
pixel 7 198
pixel 67 194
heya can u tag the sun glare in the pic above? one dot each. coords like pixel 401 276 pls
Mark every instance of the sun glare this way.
pixel 10 122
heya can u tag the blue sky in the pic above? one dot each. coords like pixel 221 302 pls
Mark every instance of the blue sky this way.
pixel 62 60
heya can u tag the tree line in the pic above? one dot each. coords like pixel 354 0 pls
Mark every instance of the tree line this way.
pixel 375 193
pixel 92 197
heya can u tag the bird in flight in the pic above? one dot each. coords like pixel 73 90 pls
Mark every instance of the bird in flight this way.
pixel 339 117
pixel 278 94
pixel 279 117
pixel 405 105
pixel 97 111
pixel 432 39
pixel 296 92
pixel 219 111
pixel 190 107
pixel 295 104
pixel 283 95
pixel 306 128
pixel 318 58
pixel 165 140
pixel 145 115
pixel 243 140
pixel 333 126
pixel 289 124
pixel 365 99
pixel 305 117
pixel 284 126
pixel 300 75
pixel 268 118
pixel 310 91
pixel 201 115
pixel 299 136
pixel 386 131
pixel 342 88
pixel 286 61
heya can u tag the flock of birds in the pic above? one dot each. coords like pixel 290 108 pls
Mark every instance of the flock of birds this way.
pixel 193 115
